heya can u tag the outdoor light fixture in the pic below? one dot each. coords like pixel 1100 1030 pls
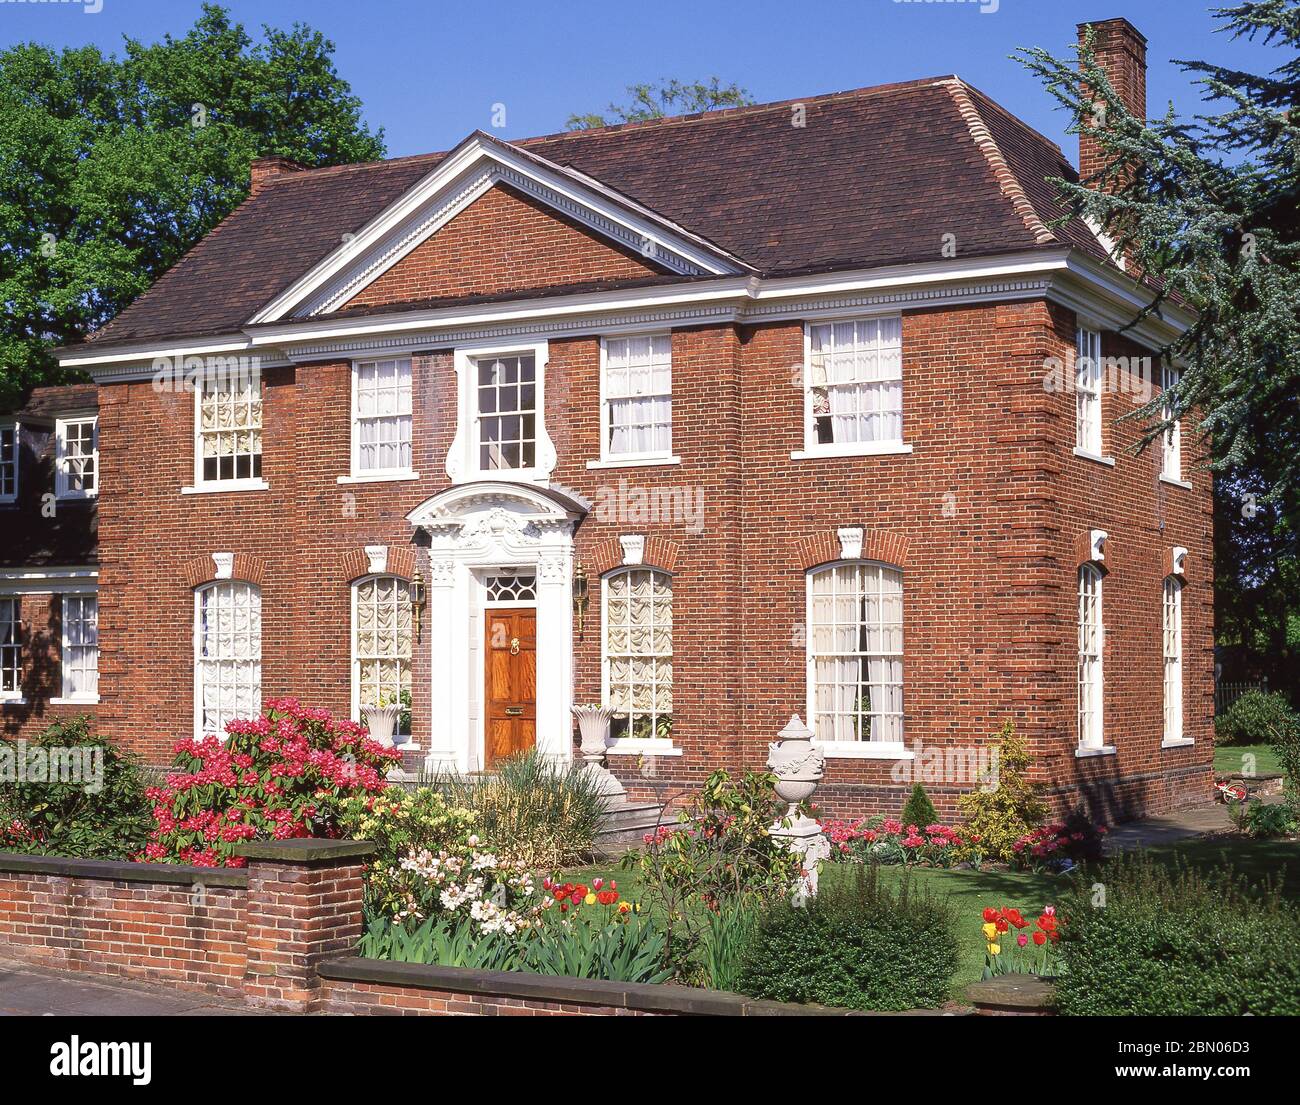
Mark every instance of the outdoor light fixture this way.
pixel 417 601
pixel 580 596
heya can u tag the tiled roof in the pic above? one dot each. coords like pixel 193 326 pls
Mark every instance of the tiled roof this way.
pixel 873 177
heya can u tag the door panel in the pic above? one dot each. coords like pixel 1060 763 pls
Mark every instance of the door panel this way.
pixel 510 683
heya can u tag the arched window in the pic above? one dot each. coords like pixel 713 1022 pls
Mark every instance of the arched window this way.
pixel 381 644
pixel 227 655
pixel 638 652
pixel 1092 634
pixel 855 652
pixel 1173 658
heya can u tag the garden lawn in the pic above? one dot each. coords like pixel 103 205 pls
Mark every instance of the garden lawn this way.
pixel 1227 759
pixel 1257 860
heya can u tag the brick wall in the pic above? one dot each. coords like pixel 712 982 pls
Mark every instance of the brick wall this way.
pixel 503 241
pixel 989 506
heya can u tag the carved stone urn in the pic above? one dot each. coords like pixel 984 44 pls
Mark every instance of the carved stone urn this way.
pixel 798 766
pixel 593 729
pixel 382 723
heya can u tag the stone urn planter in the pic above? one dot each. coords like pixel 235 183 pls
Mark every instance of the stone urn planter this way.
pixel 593 730
pixel 382 723
pixel 798 767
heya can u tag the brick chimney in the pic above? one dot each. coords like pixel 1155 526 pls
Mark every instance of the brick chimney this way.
pixel 1121 53
pixel 263 169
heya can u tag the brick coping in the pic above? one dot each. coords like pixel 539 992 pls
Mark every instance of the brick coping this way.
pixel 115 870
pixel 640 996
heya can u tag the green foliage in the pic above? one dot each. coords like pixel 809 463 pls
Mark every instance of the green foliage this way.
pixel 65 817
pixel 1266 820
pixel 664 97
pixel 725 934
pixel 580 945
pixel 536 811
pixel 919 810
pixel 1011 810
pixel 1254 718
pixel 115 166
pixel 858 944
pixel 1177 942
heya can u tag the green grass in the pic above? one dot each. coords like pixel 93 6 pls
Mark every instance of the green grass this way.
pixel 971 891
pixel 1228 759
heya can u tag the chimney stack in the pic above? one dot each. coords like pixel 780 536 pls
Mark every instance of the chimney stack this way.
pixel 1121 53
pixel 263 169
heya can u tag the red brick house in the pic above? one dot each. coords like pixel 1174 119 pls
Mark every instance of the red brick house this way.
pixel 807 407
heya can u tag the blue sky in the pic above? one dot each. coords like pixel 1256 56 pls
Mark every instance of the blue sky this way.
pixel 429 71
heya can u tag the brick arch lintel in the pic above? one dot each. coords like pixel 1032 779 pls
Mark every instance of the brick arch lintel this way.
pixel 660 552
pixel 245 566
pixel 885 546
pixel 401 563
pixel 1085 554
pixel 1174 561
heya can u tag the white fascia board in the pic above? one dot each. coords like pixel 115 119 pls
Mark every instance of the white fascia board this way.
pixel 124 354
pixel 463 163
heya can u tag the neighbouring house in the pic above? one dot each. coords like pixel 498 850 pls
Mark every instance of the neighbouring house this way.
pixel 803 408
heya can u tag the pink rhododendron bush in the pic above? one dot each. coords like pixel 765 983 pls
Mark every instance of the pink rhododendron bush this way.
pixel 286 774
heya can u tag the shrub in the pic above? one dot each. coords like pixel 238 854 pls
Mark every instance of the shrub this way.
pixel 919 810
pixel 87 799
pixel 1285 739
pixel 1254 718
pixel 1265 820
pixel 288 773
pixel 996 819
pixel 1177 942
pixel 1060 846
pixel 856 945
pixel 541 813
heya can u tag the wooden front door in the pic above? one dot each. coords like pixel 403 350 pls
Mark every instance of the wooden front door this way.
pixel 510 683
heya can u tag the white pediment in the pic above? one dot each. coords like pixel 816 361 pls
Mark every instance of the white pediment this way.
pixel 466 173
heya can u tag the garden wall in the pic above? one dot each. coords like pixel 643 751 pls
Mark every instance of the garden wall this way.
pixel 281 934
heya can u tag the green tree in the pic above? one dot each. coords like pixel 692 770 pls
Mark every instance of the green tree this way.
pixel 112 167
pixel 1211 206
pixel 664 97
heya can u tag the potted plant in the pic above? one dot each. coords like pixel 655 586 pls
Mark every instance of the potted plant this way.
pixel 382 719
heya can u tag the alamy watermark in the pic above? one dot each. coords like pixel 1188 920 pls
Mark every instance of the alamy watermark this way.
pixel 80 765
pixel 986 7
pixel 679 505
pixel 953 764
pixel 187 374
pixel 89 7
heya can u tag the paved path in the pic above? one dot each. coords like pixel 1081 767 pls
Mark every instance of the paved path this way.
pixel 36 992
pixel 1185 824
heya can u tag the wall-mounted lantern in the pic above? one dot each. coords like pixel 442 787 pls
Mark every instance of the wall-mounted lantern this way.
pixel 580 594
pixel 417 601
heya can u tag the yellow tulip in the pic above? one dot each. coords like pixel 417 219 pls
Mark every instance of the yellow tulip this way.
pixel 590 899
pixel 995 949
pixel 990 931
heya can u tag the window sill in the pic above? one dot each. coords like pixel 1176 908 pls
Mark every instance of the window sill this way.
pixel 1109 462
pixel 76 701
pixel 1172 482
pixel 633 462
pixel 379 477
pixel 642 746
pixel 863 750
pixel 1085 753
pixel 1181 742
pixel 76 498
pixel 12 700
pixel 892 448
pixel 226 485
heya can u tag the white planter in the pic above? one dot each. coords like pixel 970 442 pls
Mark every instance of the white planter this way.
pixel 593 728
pixel 382 723
pixel 797 765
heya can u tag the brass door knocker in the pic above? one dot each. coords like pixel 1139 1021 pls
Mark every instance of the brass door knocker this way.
pixel 514 646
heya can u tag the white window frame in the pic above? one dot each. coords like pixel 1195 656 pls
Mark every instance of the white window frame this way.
pixel 16 427
pixel 13 695
pixel 1089 436
pixel 356 659
pixel 850 749
pixel 198 659
pixel 200 485
pixel 1171 441
pixel 1173 732
pixel 66 647
pixel 357 474
pixel 609 458
pixel 630 745
pixel 61 462
pixel 1090 672
pixel 463 457
pixel 813 448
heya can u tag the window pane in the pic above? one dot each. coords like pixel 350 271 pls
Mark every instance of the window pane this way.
pixel 638 652
pixel 230 425
pixel 381 643
pixel 638 395
pixel 855 381
pixel 228 654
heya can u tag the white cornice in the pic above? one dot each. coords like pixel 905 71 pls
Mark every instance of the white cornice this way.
pixel 1060 276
